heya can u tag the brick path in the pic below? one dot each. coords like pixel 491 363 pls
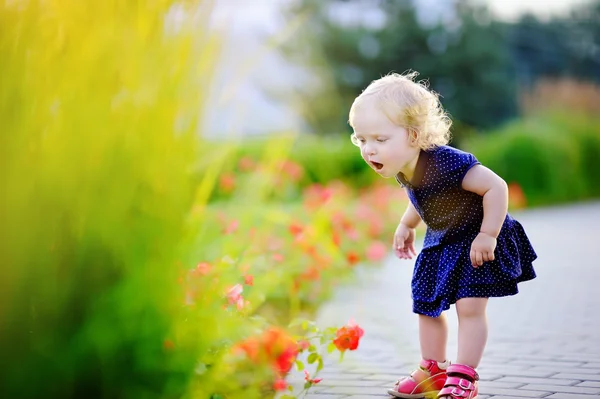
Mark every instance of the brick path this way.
pixel 543 343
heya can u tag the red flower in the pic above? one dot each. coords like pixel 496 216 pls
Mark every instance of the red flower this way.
pixel 227 182
pixel 292 169
pixel 275 348
pixel 377 251
pixel 311 380
pixel 516 196
pixel 295 229
pixel 311 274
pixel 281 348
pixel 251 347
pixel 303 345
pixel 335 237
pixel 249 279
pixel 280 385
pixel 347 337
pixel 352 258
pixel 231 227
pixel 168 344
pixel 201 269
pixel 234 296
pixel 246 164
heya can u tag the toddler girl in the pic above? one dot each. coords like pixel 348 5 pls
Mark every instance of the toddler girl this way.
pixel 473 249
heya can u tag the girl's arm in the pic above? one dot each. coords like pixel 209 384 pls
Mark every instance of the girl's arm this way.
pixel 411 217
pixel 481 180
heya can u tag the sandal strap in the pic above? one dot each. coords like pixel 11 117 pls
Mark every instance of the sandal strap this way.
pixel 460 383
pixel 453 392
pixel 457 387
pixel 464 370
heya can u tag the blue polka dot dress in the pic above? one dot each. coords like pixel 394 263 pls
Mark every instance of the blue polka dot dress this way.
pixel 443 271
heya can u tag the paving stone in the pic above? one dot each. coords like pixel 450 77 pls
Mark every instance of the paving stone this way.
pixel 562 389
pixel 348 383
pixel 516 372
pixel 578 376
pixel 548 381
pixel 571 396
pixel 499 384
pixel 544 363
pixel 366 396
pixel 378 391
pixel 382 377
pixel 557 369
pixel 519 392
pixel 341 376
pixel 593 384
pixel 504 397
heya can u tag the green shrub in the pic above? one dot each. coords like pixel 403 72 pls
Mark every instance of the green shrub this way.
pixel 554 158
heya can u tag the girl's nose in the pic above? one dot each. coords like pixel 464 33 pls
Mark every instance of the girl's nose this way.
pixel 370 149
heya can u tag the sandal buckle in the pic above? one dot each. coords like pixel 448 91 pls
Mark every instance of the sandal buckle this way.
pixel 456 391
pixel 468 385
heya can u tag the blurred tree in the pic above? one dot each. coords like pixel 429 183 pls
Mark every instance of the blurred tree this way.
pixel 463 55
pixel 474 61
pixel 563 46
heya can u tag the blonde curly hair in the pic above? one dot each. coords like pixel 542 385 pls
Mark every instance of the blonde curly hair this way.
pixel 410 104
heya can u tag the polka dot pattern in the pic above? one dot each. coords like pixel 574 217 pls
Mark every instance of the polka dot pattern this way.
pixel 443 272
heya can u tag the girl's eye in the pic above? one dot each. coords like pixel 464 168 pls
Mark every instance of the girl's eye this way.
pixel 382 140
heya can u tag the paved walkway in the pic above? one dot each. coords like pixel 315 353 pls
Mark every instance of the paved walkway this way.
pixel 543 343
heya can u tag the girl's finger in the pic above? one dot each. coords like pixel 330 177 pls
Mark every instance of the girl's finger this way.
pixel 411 247
pixel 479 258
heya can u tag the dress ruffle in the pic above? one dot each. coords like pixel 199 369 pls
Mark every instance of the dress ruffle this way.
pixel 443 274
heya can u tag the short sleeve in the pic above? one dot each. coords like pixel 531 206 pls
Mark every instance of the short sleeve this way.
pixel 453 165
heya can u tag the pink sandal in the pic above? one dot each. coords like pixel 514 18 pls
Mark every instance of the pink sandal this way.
pixel 461 383
pixel 424 382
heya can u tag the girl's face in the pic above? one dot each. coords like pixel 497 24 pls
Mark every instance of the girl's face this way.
pixel 384 146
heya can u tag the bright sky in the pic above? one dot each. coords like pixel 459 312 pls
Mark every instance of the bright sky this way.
pixel 510 9
pixel 250 110
pixel 264 11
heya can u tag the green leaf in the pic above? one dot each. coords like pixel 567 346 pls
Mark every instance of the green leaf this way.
pixel 320 366
pixel 330 347
pixel 312 348
pixel 307 385
pixel 299 365
pixel 297 322
pixel 313 358
pixel 200 368
pixel 287 397
pixel 330 330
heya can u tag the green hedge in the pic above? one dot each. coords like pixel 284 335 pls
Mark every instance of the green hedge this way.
pixel 323 158
pixel 554 158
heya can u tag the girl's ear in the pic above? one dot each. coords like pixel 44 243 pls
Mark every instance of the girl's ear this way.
pixel 413 135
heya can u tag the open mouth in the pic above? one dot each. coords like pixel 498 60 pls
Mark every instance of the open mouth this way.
pixel 377 165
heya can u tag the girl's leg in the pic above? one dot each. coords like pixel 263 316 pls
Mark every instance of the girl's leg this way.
pixel 472 330
pixel 433 336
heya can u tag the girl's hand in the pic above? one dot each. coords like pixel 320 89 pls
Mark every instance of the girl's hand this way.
pixel 404 242
pixel 482 249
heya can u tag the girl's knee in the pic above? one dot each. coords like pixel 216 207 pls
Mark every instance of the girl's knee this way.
pixel 471 307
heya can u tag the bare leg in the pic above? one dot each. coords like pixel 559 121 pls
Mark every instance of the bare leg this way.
pixel 472 330
pixel 433 335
